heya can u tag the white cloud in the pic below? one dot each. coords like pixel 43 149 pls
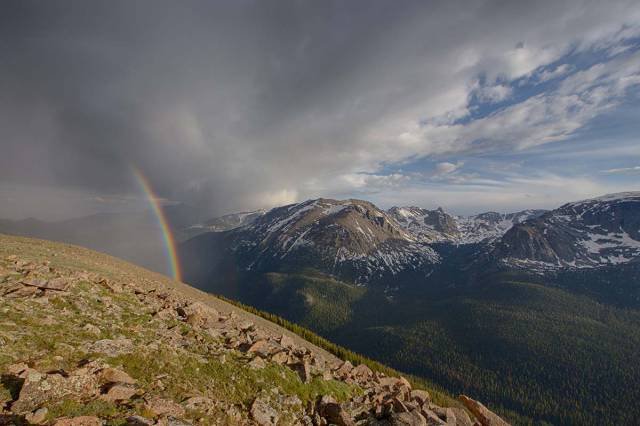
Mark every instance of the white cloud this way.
pixel 445 168
pixel 623 170
pixel 559 71
pixel 494 94
pixel 548 117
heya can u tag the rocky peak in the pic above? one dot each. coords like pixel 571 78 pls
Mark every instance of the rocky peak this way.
pixel 602 231
pixel 351 237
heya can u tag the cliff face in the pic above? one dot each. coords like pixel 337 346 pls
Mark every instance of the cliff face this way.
pixel 87 339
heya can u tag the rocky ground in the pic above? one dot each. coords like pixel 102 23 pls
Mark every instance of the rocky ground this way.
pixel 86 339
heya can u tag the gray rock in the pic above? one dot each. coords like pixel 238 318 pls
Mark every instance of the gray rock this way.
pixel 263 413
pixel 407 419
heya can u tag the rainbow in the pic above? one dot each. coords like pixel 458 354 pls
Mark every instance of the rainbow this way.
pixel 167 235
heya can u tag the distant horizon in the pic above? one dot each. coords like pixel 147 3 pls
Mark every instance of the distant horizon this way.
pixel 147 209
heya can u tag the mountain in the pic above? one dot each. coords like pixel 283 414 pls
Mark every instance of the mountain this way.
pixel 593 233
pixel 350 239
pixel 433 226
pixel 569 334
pixel 87 339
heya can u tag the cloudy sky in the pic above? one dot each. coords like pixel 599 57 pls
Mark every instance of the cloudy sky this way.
pixel 234 105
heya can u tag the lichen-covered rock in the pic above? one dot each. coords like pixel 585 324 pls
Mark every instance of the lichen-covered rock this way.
pixel 263 413
pixel 39 388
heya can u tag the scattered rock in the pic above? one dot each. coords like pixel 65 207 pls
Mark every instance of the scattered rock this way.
pixel 139 421
pixel 119 393
pixel 263 413
pixel 420 396
pixel 90 328
pixel 257 363
pixel 79 421
pixel 113 375
pixel 58 284
pixel 408 419
pixel 303 369
pixel 159 407
pixel 197 403
pixel 432 418
pixel 17 369
pixel 461 416
pixel 362 372
pixel 38 416
pixel 330 410
pixel 344 370
pixel 111 347
pixel 485 416
pixel 287 342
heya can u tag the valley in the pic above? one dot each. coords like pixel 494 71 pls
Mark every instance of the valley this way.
pixel 419 290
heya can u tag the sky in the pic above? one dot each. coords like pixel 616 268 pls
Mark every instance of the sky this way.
pixel 238 105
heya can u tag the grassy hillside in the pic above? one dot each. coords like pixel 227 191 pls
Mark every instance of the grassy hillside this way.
pixel 89 339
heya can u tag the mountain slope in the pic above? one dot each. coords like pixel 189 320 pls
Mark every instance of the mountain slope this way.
pixel 592 233
pixel 87 339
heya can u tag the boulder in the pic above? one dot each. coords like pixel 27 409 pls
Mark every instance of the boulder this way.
pixel 161 407
pixel 286 341
pixel 485 416
pixel 119 393
pixel 90 328
pixel 461 416
pixel 79 421
pixel 257 363
pixel 432 418
pixel 58 284
pixel 280 357
pixel 38 416
pixel 139 421
pixel 407 419
pixel 198 403
pixel 113 375
pixel 344 370
pixel 362 372
pixel 263 413
pixel 420 396
pixel 39 388
pixel 303 369
pixel 333 412
pixel 199 314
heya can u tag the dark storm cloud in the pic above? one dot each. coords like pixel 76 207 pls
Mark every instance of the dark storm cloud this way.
pixel 243 104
